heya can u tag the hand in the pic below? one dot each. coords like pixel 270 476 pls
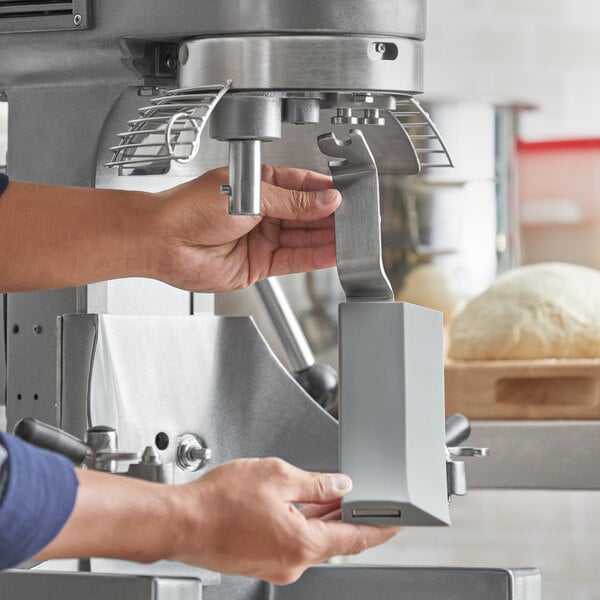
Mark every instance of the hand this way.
pixel 239 518
pixel 54 237
pixel 210 250
pixel 246 521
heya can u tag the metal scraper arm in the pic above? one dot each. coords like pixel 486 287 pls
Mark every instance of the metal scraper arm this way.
pixel 358 220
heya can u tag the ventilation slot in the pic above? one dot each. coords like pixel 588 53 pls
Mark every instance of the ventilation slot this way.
pixel 51 15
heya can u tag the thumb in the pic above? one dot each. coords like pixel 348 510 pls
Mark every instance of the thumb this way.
pixel 297 205
pixel 317 488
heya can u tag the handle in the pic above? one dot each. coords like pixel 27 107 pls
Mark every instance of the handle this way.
pixel 458 429
pixel 318 379
pixel 284 320
pixel 52 438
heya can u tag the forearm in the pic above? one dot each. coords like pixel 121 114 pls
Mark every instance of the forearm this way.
pixel 52 237
pixel 118 517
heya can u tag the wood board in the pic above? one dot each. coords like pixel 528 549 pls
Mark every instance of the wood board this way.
pixel 524 389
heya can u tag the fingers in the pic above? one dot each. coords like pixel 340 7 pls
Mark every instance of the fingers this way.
pixel 298 205
pixel 301 260
pixel 326 223
pixel 304 238
pixel 335 515
pixel 318 488
pixel 342 539
pixel 318 511
pixel 295 179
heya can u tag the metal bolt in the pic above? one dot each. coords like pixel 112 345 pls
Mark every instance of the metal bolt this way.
pixel 192 453
pixel 37 329
pixel 381 48
pixel 77 20
pixel 344 116
pixel 171 63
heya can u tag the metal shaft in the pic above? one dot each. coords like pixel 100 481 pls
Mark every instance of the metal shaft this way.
pixel 288 329
pixel 244 177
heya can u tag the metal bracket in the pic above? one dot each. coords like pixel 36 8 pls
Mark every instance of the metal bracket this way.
pixel 358 220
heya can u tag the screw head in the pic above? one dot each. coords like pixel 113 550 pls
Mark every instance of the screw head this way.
pixel 37 329
pixel 381 48
pixel 77 20
pixel 171 63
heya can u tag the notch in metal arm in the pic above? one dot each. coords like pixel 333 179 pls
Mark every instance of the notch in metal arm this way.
pixel 358 220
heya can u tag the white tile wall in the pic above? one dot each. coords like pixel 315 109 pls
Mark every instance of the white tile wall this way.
pixel 546 52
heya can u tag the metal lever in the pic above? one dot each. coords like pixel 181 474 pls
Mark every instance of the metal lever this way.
pixel 318 379
pixel 54 439
pixel 358 220
pixel 458 429
pixel 99 453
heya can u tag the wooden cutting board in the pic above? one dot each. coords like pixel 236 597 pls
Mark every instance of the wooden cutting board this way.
pixel 524 389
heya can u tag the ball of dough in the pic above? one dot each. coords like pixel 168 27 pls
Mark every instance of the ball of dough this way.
pixel 548 310
pixel 427 285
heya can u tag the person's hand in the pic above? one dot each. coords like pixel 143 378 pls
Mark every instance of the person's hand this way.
pixel 240 518
pixel 55 237
pixel 209 250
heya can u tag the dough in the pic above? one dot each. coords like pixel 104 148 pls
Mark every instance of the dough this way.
pixel 548 310
pixel 427 285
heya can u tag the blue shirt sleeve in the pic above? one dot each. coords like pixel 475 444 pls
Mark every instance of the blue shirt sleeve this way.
pixel 38 499
pixel 3 182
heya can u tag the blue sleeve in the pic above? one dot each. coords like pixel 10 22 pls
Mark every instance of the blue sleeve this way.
pixel 3 182
pixel 38 499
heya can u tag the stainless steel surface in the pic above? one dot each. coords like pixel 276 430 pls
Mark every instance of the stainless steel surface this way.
pixel 286 324
pixel 358 220
pixel 54 59
pixel 244 402
pixel 245 121
pixel 31 362
pixel 103 440
pixel 228 388
pixel 302 110
pixel 458 429
pixel 245 177
pixel 38 585
pixel 456 476
pixel 355 582
pixel 247 117
pixel 392 413
pixel 300 62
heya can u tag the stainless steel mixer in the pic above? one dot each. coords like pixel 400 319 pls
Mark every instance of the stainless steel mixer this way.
pixel 267 77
